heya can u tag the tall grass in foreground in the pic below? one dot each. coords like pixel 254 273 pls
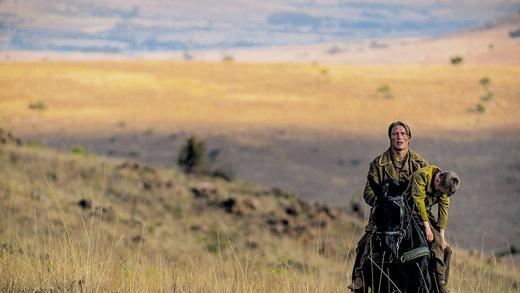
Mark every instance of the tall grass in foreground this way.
pixel 51 245
pixel 83 261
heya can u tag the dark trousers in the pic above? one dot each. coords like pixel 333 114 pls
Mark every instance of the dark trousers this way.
pixel 360 255
pixel 441 257
pixel 440 260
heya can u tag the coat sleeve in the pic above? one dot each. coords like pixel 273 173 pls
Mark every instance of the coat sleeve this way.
pixel 419 194
pixel 369 194
pixel 444 204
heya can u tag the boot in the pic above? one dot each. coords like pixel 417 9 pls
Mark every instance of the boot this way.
pixel 441 285
pixel 357 284
pixel 447 259
pixel 441 261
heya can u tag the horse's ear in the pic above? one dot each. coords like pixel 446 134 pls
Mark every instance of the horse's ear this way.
pixel 376 187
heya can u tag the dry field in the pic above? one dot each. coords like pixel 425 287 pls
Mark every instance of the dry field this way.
pixel 310 128
pixel 94 97
pixel 78 223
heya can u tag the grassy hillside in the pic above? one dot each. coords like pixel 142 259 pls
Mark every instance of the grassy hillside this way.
pixel 77 222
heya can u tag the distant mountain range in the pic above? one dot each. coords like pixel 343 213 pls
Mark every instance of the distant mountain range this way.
pixel 162 25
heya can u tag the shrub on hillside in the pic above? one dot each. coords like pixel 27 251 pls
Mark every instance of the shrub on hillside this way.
pixel 35 144
pixel 484 82
pixel 38 106
pixel 228 59
pixel 79 150
pixel 134 152
pixel 385 91
pixel 192 156
pixel 480 108
pixel 456 60
pixel 148 131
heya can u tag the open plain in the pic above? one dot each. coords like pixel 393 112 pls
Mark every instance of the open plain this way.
pixel 311 129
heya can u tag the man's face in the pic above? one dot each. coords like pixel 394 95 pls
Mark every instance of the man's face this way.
pixel 399 140
pixel 437 183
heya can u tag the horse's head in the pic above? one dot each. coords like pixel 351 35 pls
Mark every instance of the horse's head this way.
pixel 389 215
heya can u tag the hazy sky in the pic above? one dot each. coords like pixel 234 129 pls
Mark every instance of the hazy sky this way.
pixel 112 25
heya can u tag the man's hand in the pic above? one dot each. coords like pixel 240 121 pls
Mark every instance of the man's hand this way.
pixel 444 243
pixel 428 231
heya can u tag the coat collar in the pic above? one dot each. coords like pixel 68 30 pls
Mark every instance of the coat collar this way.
pixel 385 158
pixel 385 161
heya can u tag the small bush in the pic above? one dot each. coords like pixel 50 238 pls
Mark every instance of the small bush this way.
pixel 148 132
pixel 279 192
pixel 38 106
pixel 485 81
pixel 192 156
pixel 228 59
pixel 35 144
pixel 134 152
pixel 480 108
pixel 456 60
pixel 384 90
pixel 79 150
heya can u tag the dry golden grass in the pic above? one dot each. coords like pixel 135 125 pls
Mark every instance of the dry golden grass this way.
pixel 49 244
pixel 95 96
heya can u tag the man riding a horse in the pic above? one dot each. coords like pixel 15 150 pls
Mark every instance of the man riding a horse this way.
pixel 397 163
pixel 401 204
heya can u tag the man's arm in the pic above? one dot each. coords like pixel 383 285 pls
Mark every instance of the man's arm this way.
pixel 444 204
pixel 368 195
pixel 419 196
pixel 372 181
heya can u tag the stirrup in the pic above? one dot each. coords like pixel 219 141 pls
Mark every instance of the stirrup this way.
pixel 441 286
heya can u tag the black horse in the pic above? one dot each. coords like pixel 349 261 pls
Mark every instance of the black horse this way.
pixel 397 252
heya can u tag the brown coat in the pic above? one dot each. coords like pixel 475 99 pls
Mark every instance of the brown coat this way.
pixel 381 169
